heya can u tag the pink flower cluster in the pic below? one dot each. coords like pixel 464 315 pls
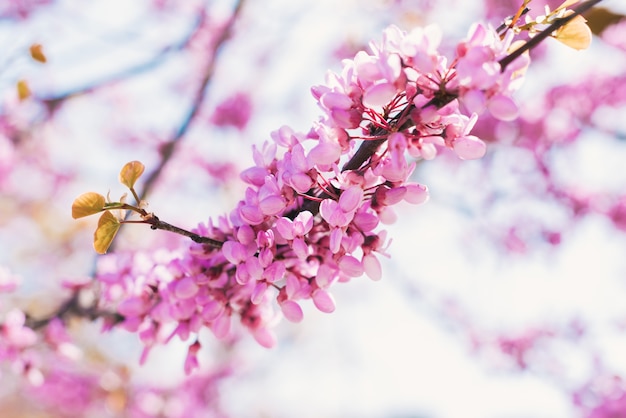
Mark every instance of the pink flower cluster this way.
pixel 17 339
pixel 311 213
pixel 69 391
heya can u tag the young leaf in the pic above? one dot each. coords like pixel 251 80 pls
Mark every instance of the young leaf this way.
pixel 576 34
pixel 130 173
pixel 87 204
pixel 108 225
pixel 23 91
pixel 36 52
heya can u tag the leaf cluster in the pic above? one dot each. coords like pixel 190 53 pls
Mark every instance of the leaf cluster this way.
pixel 90 203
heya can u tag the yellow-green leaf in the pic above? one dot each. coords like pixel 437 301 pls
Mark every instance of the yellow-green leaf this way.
pixel 576 34
pixel 23 91
pixel 108 225
pixel 87 204
pixel 130 173
pixel 36 52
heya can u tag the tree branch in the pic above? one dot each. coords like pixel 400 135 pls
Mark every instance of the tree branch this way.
pixel 156 223
pixel 169 148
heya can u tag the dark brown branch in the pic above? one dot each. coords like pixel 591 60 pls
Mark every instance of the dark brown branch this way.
pixel 54 100
pixel 537 39
pixel 156 223
pixel 73 308
pixel 364 153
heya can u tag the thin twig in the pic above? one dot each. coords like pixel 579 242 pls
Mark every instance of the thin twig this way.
pixel 126 73
pixel 156 223
pixel 169 148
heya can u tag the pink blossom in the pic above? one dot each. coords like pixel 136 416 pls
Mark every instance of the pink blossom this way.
pixel 14 333
pixel 234 111
pixel 341 212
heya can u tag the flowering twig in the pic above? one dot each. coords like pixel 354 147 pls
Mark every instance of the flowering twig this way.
pixel 549 31
pixel 91 203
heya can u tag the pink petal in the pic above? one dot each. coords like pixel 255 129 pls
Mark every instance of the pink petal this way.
pixel 284 226
pixel 503 108
pixel 251 214
pixel 303 222
pixel 265 337
pixel 326 275
pixel 329 209
pixel 469 147
pixel 475 101
pixel 365 221
pixel 301 182
pixel 212 310
pixel 186 288
pixel 233 252
pixel 350 198
pixel 272 205
pixel 258 293
pixel 372 267
pixel 221 326
pixel 379 94
pixel 300 248
pixel 325 153
pixel 323 301
pixel 335 100
pixel 416 193
pixel 350 266
pixel 335 240
pixel 254 175
pixel 132 306
pixel 292 311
